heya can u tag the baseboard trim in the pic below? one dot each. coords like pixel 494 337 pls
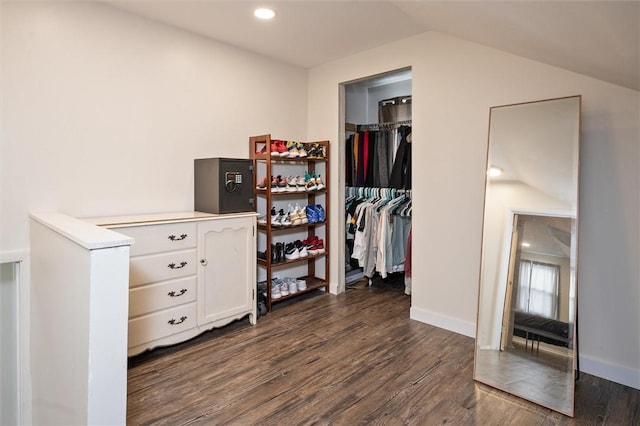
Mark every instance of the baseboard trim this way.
pixel 615 373
pixel 442 321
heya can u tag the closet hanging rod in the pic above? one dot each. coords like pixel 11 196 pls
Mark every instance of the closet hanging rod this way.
pixel 378 126
pixel 392 191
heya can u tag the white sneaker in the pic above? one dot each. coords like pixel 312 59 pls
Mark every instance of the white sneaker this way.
pixel 292 184
pixel 302 285
pixel 293 286
pixel 291 252
pixel 284 288
pixel 294 215
pixel 275 290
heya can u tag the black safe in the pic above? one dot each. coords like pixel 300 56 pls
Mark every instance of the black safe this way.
pixel 223 185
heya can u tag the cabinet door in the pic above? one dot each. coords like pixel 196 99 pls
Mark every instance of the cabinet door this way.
pixel 226 269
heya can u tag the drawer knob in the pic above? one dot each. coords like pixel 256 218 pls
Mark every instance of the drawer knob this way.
pixel 176 322
pixel 174 238
pixel 174 266
pixel 204 262
pixel 178 294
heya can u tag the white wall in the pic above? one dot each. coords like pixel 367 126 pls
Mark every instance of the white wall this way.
pixel 104 112
pixel 356 105
pixel 454 84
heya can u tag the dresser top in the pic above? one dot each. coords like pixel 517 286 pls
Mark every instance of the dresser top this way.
pixel 154 218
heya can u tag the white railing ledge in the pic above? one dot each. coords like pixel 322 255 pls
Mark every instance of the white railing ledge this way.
pixel 85 234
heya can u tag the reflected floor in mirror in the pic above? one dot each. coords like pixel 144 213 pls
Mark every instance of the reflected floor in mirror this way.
pixel 523 371
pixel 355 358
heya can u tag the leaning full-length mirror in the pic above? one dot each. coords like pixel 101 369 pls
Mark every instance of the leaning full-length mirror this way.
pixel 525 339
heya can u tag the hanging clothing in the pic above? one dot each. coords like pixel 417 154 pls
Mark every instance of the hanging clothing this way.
pixel 379 158
pixel 401 172
pixel 408 275
pixel 380 232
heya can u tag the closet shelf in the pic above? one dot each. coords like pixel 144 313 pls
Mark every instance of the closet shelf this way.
pixel 296 193
pixel 313 284
pixel 289 262
pixel 286 160
pixel 294 227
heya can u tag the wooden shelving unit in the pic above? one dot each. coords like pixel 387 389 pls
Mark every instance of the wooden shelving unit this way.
pixel 317 266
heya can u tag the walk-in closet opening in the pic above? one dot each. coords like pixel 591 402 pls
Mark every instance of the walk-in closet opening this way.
pixel 376 189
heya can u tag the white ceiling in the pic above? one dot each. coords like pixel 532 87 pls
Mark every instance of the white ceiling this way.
pixel 596 38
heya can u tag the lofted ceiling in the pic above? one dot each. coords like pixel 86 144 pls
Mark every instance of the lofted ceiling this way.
pixel 596 38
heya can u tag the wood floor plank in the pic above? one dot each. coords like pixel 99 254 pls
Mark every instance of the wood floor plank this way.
pixel 352 359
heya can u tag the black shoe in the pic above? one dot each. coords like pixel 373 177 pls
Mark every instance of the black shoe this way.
pixel 262 309
pixel 279 253
pixel 291 252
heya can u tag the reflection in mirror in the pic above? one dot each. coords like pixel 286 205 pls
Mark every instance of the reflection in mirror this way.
pixel 525 338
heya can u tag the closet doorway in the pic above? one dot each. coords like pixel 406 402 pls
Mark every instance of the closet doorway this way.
pixel 375 181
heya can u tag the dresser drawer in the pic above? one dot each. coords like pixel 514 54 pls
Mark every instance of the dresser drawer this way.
pixel 162 295
pixel 161 238
pixel 161 324
pixel 161 267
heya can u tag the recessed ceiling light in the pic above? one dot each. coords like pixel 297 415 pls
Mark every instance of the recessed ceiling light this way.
pixel 525 244
pixel 264 13
pixel 495 171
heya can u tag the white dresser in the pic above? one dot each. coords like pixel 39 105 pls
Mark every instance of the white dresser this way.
pixel 189 272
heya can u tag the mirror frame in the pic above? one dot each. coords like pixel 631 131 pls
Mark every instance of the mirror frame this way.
pixel 573 259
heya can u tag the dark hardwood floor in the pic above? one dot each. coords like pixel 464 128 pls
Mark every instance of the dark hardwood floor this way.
pixel 352 359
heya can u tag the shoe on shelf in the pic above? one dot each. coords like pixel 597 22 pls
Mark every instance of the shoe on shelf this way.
pixel 261 151
pixel 312 215
pixel 302 249
pixel 316 152
pixel 275 291
pixel 286 219
pixel 303 214
pixel 311 240
pixel 291 252
pixel 310 182
pixel 292 149
pixel 293 285
pixel 280 253
pixel 317 248
pixel 262 220
pixel 274 184
pixel 294 215
pixel 320 211
pixel 302 285
pixel 302 152
pixel 281 146
pixel 262 184
pixel 274 148
pixel 284 288
pixel 319 183
pixel 282 184
pixel 292 183
pixel 274 216
pixel 300 184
